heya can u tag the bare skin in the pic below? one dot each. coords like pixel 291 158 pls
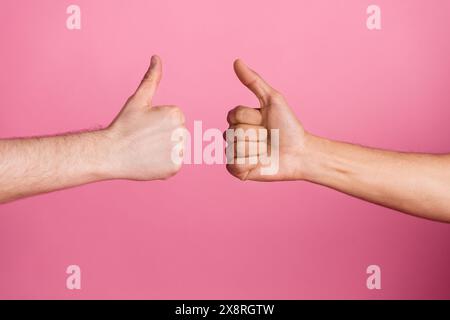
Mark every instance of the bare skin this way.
pixel 418 184
pixel 136 146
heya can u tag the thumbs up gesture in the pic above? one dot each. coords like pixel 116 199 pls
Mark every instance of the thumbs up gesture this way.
pixel 274 116
pixel 140 137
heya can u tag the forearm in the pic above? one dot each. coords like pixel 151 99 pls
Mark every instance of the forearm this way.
pixel 418 184
pixel 38 165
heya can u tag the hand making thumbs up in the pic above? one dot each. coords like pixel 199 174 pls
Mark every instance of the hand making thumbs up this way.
pixel 275 117
pixel 141 135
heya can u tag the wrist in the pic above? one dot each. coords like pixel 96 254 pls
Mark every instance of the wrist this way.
pixel 327 161
pixel 311 157
pixel 103 154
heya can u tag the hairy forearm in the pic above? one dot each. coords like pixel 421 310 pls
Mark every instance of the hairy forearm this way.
pixel 37 165
pixel 418 184
pixel 137 145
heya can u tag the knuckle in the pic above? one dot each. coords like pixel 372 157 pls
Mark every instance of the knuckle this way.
pixel 131 98
pixel 230 116
pixel 276 96
pixel 236 114
pixel 175 109
pixel 178 114
pixel 175 113
pixel 241 112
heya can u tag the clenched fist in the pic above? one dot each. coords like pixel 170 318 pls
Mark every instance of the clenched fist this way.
pixel 281 137
pixel 141 143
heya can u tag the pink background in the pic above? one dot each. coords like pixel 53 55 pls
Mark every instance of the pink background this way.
pixel 204 234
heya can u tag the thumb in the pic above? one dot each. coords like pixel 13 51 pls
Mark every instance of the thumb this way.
pixel 253 81
pixel 149 84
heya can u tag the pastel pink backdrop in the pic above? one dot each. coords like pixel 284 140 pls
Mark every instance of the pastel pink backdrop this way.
pixel 204 234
